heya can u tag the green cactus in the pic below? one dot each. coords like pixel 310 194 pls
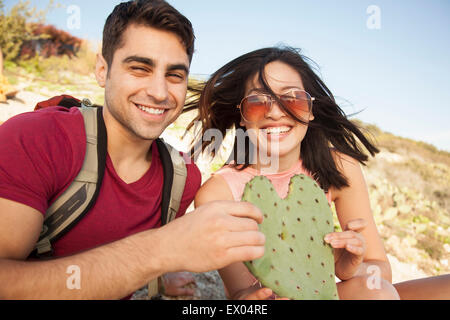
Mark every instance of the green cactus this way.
pixel 297 263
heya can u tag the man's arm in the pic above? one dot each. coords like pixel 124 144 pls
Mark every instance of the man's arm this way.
pixel 111 271
pixel 196 242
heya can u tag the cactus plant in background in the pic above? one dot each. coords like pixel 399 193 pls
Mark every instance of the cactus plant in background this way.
pixel 297 263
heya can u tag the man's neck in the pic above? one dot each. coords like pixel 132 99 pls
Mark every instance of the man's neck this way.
pixel 130 155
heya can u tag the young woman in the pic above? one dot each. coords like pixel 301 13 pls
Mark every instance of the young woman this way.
pixel 294 120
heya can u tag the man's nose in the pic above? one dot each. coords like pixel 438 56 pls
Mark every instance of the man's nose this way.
pixel 157 88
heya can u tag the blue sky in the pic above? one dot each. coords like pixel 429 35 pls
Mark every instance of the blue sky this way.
pixel 399 74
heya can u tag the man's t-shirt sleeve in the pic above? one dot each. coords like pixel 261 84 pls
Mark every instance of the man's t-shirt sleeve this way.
pixel 39 154
pixel 193 183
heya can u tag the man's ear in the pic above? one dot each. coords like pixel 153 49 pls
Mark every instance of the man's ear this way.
pixel 101 70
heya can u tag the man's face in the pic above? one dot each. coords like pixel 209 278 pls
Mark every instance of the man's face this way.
pixel 146 84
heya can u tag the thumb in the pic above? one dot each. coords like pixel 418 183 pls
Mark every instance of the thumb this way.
pixel 356 225
pixel 181 291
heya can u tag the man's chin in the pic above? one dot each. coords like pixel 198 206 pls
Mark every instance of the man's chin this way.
pixel 148 135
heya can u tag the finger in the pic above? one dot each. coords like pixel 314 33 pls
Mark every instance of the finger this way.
pixel 246 238
pixel 341 236
pixel 344 242
pixel 187 279
pixel 242 209
pixel 180 291
pixel 260 294
pixel 232 223
pixel 356 225
pixel 356 250
pixel 178 278
pixel 180 274
pixel 245 253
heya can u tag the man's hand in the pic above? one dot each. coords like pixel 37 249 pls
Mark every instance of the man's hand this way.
pixel 175 284
pixel 211 237
pixel 350 248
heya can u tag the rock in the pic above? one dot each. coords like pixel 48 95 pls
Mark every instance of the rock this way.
pixel 390 213
pixel 209 286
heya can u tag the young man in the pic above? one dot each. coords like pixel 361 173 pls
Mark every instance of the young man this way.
pixel 119 245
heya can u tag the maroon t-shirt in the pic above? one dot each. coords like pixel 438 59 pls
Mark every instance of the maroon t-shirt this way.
pixel 41 153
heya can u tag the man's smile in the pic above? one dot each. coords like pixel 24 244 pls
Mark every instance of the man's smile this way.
pixel 155 111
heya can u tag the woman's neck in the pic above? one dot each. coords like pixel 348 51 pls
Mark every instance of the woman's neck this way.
pixel 276 163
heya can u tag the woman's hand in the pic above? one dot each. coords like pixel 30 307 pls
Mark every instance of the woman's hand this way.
pixel 177 284
pixel 350 248
pixel 257 293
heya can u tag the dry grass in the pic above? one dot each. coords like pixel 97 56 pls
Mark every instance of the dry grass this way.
pixel 56 69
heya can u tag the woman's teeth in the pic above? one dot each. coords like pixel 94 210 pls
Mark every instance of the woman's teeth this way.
pixel 151 110
pixel 276 130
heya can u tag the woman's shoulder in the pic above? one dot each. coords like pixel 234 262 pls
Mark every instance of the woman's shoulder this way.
pixel 344 162
pixel 227 183
pixel 215 188
pixel 350 168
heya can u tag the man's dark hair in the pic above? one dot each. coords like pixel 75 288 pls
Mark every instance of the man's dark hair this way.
pixel 157 14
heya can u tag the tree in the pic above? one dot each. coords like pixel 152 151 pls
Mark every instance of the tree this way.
pixel 17 26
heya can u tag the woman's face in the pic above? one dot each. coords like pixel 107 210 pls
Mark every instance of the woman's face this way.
pixel 277 132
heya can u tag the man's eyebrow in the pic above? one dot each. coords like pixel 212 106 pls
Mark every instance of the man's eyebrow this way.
pixel 178 66
pixel 139 59
pixel 151 63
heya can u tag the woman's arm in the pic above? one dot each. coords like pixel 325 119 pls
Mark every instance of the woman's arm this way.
pixel 237 280
pixel 432 288
pixel 352 203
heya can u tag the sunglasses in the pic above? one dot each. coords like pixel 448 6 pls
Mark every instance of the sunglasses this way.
pixel 254 107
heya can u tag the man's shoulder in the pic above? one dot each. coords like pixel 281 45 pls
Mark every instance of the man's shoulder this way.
pixel 194 171
pixel 44 120
pixel 47 127
pixel 40 153
pixel 56 113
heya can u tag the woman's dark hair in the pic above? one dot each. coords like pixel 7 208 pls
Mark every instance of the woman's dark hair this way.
pixel 152 13
pixel 329 130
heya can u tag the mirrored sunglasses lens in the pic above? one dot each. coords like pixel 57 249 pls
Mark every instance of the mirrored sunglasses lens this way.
pixel 299 102
pixel 254 108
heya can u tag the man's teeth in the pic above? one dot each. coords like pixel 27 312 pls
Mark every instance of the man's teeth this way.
pixel 151 110
pixel 276 130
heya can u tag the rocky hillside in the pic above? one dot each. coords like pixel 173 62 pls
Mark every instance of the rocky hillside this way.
pixel 408 181
pixel 409 185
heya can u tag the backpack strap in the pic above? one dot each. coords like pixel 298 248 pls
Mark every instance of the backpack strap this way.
pixel 175 174
pixel 179 182
pixel 80 196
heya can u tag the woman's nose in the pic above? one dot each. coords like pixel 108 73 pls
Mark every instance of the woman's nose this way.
pixel 275 111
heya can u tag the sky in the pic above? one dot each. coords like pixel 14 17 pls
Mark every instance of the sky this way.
pixel 388 60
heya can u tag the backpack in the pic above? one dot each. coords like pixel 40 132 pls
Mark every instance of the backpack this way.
pixel 81 195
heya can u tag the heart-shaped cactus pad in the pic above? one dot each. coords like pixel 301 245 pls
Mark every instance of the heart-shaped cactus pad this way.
pixel 297 263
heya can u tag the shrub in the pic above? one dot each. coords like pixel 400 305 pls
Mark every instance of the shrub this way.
pixel 17 26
